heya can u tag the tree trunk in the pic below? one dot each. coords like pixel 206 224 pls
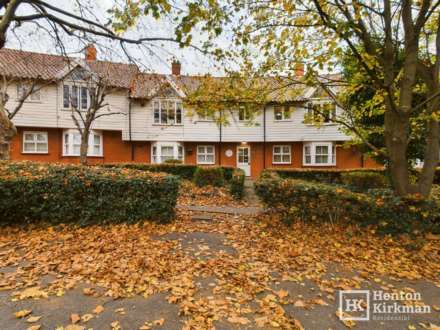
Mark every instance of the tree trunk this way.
pixel 396 140
pixel 84 146
pixel 431 158
pixel 7 132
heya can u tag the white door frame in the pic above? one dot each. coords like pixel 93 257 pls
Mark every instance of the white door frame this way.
pixel 245 168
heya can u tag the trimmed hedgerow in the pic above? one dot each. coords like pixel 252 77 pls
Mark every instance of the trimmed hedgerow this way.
pixel 213 176
pixel 321 175
pixel 237 183
pixel 318 202
pixel 66 193
pixel 362 181
pixel 180 170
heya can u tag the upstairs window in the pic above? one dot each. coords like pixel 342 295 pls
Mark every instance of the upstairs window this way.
pixel 319 154
pixel 321 112
pixel 167 112
pixel 35 142
pixel 282 154
pixel 244 114
pixel 77 97
pixel 23 90
pixel 282 112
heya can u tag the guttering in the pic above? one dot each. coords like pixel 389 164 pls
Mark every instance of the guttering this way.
pixel 129 129
pixel 220 138
pixel 264 137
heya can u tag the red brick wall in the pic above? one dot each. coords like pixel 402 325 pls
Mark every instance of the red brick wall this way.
pixel 114 149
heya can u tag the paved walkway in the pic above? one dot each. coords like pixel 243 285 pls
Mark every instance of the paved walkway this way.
pixel 252 210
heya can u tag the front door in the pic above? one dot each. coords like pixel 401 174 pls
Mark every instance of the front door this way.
pixel 244 159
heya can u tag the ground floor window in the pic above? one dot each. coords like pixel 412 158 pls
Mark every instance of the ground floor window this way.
pixel 282 154
pixel 164 151
pixel 319 154
pixel 205 155
pixel 72 143
pixel 35 142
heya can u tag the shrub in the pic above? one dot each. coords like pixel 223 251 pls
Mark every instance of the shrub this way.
pixel 173 161
pixel 362 181
pixel 237 183
pixel 213 176
pixel 182 171
pixel 310 201
pixel 82 195
pixel 321 175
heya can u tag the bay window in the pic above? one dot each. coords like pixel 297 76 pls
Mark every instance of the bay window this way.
pixel 282 154
pixel 167 112
pixel 72 143
pixel 205 155
pixel 35 142
pixel 163 151
pixel 319 154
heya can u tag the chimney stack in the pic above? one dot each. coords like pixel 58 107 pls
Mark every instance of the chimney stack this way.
pixel 90 53
pixel 299 69
pixel 175 68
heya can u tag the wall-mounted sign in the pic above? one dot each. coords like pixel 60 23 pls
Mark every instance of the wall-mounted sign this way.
pixel 229 153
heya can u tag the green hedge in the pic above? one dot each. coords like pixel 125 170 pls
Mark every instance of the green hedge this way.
pixel 183 171
pixel 180 170
pixel 311 201
pixel 213 176
pixel 320 175
pixel 237 183
pixel 362 180
pixel 82 195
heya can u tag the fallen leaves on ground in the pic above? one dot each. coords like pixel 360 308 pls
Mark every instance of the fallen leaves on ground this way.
pixel 23 313
pixel 127 260
pixel 190 194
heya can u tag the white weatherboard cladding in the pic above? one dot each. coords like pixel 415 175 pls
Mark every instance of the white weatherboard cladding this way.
pixel 144 129
pixel 49 112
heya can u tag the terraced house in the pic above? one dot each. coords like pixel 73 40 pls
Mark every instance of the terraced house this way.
pixel 150 124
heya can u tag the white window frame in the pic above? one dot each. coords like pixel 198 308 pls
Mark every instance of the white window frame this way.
pixel 320 102
pixel 204 153
pixel 281 153
pixel 35 142
pixel 68 148
pixel 202 116
pixel 246 114
pixel 79 87
pixel 284 109
pixel 23 87
pixel 157 104
pixel 156 151
pixel 313 145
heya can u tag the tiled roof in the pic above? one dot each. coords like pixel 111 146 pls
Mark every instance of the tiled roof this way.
pixel 30 65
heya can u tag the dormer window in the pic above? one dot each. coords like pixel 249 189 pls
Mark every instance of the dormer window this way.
pixel 167 112
pixel 321 111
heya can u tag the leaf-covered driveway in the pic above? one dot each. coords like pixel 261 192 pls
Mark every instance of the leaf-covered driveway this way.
pixel 229 273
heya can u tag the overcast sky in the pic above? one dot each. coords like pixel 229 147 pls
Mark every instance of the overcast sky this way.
pixel 154 58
